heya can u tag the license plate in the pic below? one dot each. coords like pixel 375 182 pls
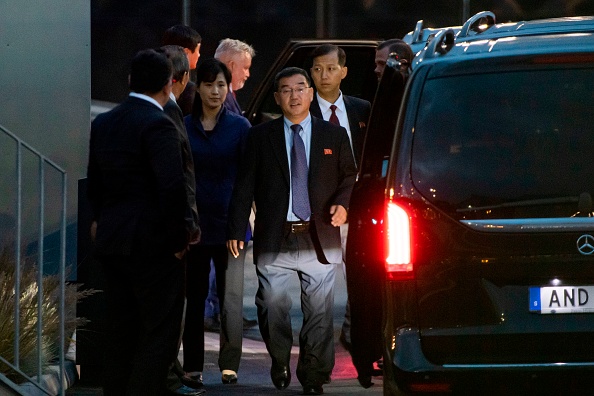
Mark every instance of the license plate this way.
pixel 562 299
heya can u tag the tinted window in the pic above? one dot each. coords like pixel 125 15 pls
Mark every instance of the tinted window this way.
pixel 516 144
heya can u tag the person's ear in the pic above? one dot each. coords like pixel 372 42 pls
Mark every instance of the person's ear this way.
pixel 277 98
pixel 343 71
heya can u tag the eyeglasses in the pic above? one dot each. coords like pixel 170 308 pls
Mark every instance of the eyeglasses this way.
pixel 297 91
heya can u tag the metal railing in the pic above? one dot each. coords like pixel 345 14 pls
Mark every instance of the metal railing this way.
pixel 45 165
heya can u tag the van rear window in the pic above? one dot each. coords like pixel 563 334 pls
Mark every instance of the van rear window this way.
pixel 517 144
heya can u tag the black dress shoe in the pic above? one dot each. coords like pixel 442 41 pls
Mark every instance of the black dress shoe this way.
pixel 192 381
pixel 313 390
pixel 229 379
pixel 365 381
pixel 281 376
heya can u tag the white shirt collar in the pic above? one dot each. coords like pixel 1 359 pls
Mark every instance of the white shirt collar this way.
pixel 147 98
pixel 325 105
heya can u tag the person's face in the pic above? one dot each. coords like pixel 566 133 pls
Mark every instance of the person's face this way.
pixel 381 56
pixel 193 56
pixel 327 73
pixel 239 66
pixel 212 94
pixel 294 97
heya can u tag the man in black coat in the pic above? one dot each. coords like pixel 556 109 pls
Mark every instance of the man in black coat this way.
pixel 190 40
pixel 327 71
pixel 299 171
pixel 138 196
pixel 177 382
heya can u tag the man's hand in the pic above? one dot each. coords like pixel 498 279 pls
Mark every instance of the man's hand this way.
pixel 180 255
pixel 234 245
pixel 93 231
pixel 339 215
pixel 195 238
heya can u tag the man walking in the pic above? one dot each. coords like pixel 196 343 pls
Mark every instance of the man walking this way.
pixel 177 382
pixel 329 103
pixel 138 196
pixel 299 171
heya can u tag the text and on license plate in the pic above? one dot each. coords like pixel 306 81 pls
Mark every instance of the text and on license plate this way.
pixel 562 299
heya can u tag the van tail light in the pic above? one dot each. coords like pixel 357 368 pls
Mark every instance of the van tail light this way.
pixel 399 264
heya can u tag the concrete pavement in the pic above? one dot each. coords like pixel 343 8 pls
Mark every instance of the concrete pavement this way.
pixel 254 372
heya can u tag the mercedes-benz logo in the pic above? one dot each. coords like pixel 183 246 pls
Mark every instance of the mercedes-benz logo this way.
pixel 585 244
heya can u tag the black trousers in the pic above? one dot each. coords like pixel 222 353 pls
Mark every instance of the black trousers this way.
pixel 144 298
pixel 197 273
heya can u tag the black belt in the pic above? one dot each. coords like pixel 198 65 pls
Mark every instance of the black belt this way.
pixel 296 227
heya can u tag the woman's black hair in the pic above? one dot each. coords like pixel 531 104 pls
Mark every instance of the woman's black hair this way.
pixel 208 71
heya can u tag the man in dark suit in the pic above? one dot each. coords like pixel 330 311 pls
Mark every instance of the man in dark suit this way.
pixel 237 56
pixel 190 40
pixel 177 382
pixel 138 195
pixel 327 71
pixel 399 50
pixel 299 171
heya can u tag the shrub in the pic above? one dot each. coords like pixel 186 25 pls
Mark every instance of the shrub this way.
pixel 29 316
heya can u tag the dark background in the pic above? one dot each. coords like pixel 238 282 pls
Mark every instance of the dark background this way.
pixel 119 28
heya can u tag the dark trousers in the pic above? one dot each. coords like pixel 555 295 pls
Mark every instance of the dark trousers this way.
pixel 316 339
pixel 144 298
pixel 197 273
pixel 232 313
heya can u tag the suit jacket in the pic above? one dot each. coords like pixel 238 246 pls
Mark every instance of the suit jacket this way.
pixel 231 104
pixel 136 184
pixel 186 99
pixel 358 114
pixel 175 113
pixel 264 177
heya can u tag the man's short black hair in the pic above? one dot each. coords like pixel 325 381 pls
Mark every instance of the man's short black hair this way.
pixel 183 36
pixel 400 47
pixel 288 72
pixel 326 49
pixel 150 71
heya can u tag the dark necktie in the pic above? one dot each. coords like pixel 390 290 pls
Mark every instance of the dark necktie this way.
pixel 333 118
pixel 299 172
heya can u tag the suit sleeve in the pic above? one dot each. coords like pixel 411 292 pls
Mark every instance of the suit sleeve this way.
pixel 243 191
pixel 347 172
pixel 163 148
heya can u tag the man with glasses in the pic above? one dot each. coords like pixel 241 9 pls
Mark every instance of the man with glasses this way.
pixel 300 172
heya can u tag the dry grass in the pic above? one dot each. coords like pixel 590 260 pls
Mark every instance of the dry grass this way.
pixel 29 316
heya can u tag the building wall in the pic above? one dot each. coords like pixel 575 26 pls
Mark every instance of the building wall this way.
pixel 45 81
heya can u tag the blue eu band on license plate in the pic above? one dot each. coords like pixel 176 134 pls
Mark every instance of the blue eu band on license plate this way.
pixel 562 299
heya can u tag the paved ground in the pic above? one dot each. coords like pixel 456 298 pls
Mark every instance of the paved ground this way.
pixel 254 377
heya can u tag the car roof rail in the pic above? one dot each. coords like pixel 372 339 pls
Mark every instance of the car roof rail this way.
pixel 417 34
pixel 478 23
pixel 442 43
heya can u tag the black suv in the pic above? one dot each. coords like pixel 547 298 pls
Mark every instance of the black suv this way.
pixel 472 214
